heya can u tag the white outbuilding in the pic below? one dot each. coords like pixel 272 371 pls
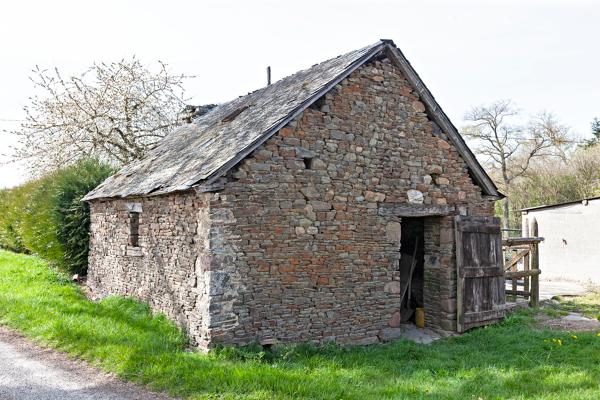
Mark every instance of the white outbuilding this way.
pixel 571 249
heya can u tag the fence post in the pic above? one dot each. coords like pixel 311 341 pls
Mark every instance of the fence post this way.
pixel 534 299
pixel 526 262
pixel 524 225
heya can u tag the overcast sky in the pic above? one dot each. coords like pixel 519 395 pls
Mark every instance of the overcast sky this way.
pixel 543 55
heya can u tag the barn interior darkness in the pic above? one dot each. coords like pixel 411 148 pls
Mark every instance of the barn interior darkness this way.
pixel 412 261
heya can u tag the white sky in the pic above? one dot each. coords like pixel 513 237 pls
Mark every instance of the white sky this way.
pixel 543 55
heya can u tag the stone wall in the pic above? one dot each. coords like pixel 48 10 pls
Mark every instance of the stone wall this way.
pixel 315 260
pixel 167 270
pixel 440 274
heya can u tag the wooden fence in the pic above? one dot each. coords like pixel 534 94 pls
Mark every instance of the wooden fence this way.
pixel 522 266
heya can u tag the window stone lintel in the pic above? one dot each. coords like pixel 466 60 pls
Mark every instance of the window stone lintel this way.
pixel 133 207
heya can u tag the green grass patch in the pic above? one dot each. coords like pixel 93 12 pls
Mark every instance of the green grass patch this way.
pixel 508 360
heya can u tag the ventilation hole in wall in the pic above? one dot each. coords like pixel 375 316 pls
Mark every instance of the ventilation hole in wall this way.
pixel 231 174
pixel 318 104
pixel 307 162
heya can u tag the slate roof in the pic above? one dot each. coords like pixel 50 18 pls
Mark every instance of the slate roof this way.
pixel 198 153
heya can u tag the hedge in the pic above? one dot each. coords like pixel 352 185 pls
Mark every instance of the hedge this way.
pixel 46 216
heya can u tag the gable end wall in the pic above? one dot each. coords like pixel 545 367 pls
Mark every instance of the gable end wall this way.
pixel 315 261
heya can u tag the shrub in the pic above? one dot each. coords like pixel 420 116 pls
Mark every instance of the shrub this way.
pixel 72 215
pixel 38 222
pixel 11 215
pixel 46 216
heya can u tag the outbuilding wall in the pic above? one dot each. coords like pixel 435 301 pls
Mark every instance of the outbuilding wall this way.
pixel 312 257
pixel 168 269
pixel 570 249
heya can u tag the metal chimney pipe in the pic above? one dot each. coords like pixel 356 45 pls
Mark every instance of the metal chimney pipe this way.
pixel 268 75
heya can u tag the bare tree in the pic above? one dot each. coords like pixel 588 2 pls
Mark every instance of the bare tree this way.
pixel 508 148
pixel 113 111
pixel 584 165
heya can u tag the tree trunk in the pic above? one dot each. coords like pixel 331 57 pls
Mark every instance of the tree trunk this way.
pixel 505 214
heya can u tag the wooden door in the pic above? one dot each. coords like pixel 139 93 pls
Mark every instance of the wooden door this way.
pixel 480 271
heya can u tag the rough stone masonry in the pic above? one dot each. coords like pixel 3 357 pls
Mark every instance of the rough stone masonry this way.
pixel 294 247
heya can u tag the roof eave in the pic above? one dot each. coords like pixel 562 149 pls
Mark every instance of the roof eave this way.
pixel 558 205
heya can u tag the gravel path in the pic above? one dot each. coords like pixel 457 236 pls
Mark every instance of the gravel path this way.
pixel 572 322
pixel 29 372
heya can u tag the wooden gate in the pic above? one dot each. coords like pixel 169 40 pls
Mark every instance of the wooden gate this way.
pixel 480 272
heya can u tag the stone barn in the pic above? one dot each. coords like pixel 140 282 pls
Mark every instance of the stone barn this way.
pixel 326 206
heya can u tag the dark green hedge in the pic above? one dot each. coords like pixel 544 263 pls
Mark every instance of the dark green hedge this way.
pixel 46 216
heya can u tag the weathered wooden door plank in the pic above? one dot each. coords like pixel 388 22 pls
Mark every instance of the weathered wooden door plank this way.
pixel 471 272
pixel 480 271
pixel 482 316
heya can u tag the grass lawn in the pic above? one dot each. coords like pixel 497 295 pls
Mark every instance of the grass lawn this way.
pixel 510 360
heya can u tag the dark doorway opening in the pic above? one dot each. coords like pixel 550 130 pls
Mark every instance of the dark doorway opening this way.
pixel 412 265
